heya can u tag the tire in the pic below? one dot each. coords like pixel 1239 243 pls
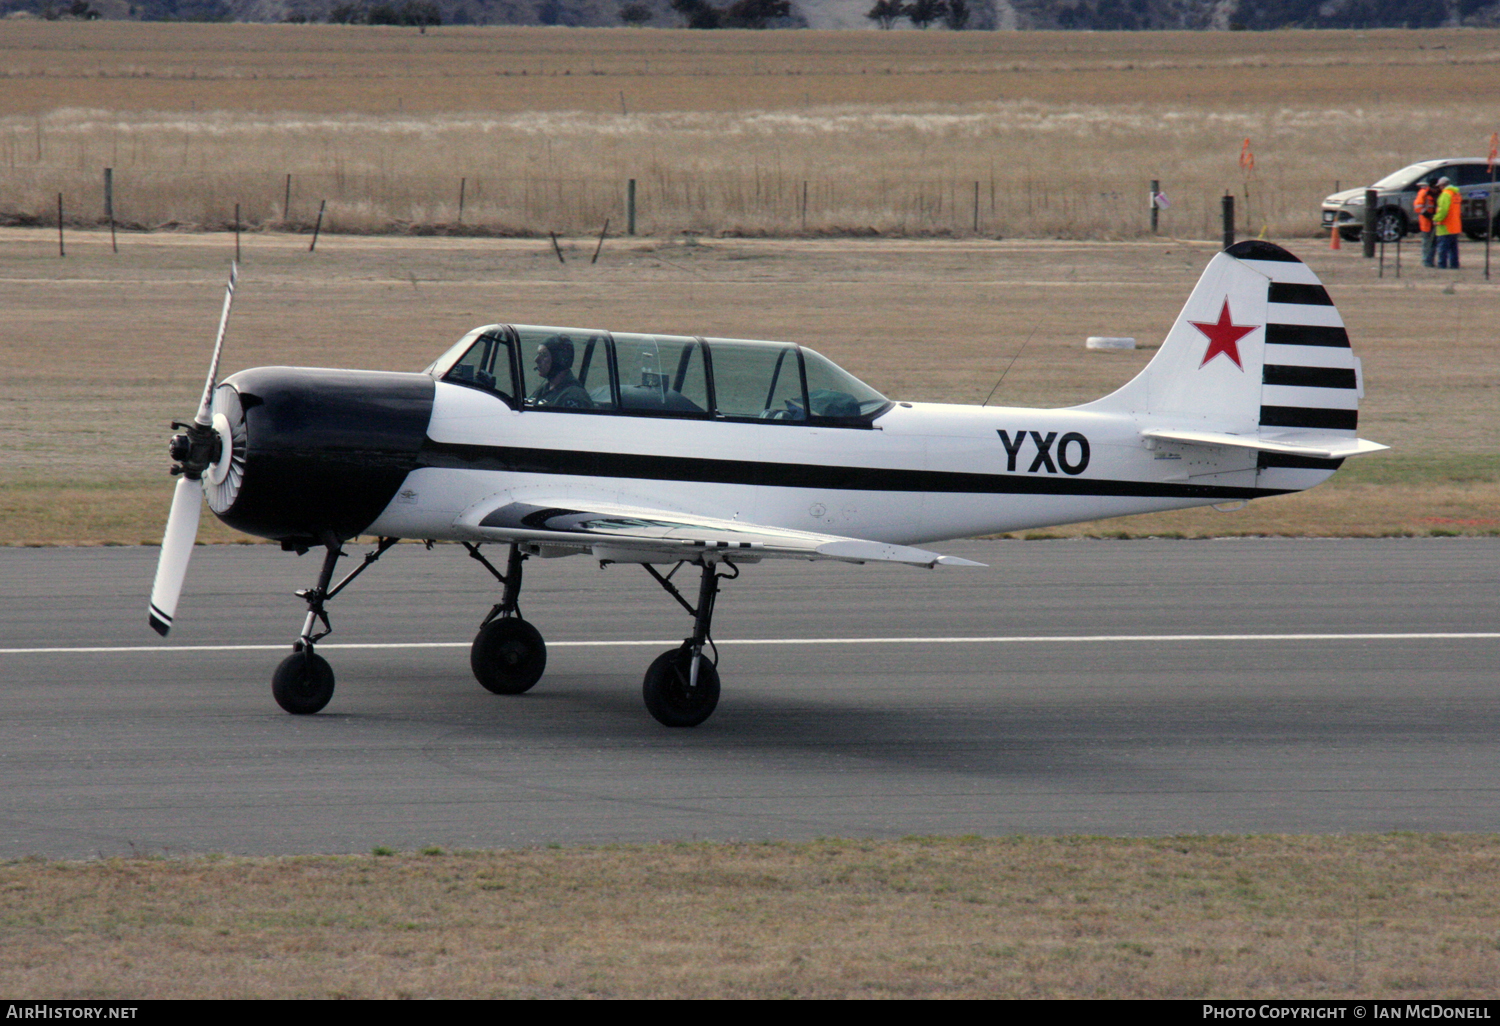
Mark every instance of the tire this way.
pixel 508 656
pixel 1390 224
pixel 303 683
pixel 668 696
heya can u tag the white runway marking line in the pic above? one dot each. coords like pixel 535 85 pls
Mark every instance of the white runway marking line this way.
pixel 1061 639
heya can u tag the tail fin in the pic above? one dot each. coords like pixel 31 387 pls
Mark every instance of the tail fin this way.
pixel 1258 359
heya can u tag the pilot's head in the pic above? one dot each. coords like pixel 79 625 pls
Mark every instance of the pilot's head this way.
pixel 554 356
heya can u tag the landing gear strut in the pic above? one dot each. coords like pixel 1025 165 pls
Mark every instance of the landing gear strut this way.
pixel 303 683
pixel 681 688
pixel 508 656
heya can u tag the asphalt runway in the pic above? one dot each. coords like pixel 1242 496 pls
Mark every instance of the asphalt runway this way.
pixel 1122 687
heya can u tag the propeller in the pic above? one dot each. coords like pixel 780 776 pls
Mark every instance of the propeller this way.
pixel 201 445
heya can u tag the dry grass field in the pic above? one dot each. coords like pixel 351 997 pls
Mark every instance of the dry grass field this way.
pixel 1396 916
pixel 1054 134
pixel 102 350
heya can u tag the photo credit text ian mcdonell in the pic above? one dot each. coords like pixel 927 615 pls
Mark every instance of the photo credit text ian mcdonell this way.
pixel 1346 1011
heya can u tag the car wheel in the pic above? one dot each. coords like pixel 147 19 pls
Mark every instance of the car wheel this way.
pixel 1390 224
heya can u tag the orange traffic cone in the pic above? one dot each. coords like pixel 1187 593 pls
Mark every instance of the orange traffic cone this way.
pixel 1334 242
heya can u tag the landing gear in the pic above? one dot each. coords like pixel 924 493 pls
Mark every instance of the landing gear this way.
pixel 681 688
pixel 669 691
pixel 508 656
pixel 303 683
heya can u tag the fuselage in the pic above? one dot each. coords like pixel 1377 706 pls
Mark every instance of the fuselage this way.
pixel 917 473
pixel 413 455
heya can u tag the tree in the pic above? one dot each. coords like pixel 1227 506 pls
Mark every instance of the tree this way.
pixel 698 13
pixel 885 12
pixel 421 13
pixel 924 12
pixel 755 14
pixel 956 17
pixel 636 13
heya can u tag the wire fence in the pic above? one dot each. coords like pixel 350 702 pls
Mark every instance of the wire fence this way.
pixel 667 201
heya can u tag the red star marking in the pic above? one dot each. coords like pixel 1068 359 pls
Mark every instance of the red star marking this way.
pixel 1224 337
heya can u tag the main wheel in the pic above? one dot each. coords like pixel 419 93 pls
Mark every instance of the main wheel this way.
pixel 508 656
pixel 303 683
pixel 1390 225
pixel 669 696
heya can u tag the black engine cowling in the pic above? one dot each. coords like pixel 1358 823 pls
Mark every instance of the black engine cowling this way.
pixel 316 451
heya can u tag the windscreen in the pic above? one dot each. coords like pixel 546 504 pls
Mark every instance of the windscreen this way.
pixel 486 364
pixel 1401 179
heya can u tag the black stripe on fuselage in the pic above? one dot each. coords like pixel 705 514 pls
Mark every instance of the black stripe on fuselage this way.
pixel 1281 459
pixel 454 456
pixel 1308 417
pixel 1307 377
pixel 1306 335
pixel 1297 292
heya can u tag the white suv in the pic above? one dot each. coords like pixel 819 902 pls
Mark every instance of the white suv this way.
pixel 1395 216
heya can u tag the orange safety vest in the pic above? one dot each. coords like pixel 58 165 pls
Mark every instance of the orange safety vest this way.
pixel 1449 218
pixel 1425 206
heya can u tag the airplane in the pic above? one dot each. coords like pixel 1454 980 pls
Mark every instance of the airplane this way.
pixel 715 453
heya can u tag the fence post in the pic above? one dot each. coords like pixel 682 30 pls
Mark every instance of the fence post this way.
pixel 60 251
pixel 602 232
pixel 317 227
pixel 109 206
pixel 804 204
pixel 630 208
pixel 1227 209
pixel 237 233
pixel 461 183
pixel 286 201
pixel 1155 210
pixel 1489 222
pixel 976 215
pixel 1371 198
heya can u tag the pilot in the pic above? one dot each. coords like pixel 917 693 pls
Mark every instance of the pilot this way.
pixel 559 388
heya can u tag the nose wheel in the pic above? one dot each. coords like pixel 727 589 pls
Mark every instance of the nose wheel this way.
pixel 303 683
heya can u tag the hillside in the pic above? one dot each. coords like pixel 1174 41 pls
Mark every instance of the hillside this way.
pixel 1094 15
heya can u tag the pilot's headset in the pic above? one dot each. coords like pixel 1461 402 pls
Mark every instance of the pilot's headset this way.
pixel 560 348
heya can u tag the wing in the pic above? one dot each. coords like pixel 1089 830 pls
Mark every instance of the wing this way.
pixel 633 534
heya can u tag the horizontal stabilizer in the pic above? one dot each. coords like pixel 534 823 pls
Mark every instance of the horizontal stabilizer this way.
pixel 1293 443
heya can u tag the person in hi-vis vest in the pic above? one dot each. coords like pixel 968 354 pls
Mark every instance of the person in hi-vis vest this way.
pixel 1447 223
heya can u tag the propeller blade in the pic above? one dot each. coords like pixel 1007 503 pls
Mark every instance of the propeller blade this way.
pixel 176 549
pixel 204 418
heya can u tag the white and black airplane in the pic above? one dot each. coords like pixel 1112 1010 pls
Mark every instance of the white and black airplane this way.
pixel 716 453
